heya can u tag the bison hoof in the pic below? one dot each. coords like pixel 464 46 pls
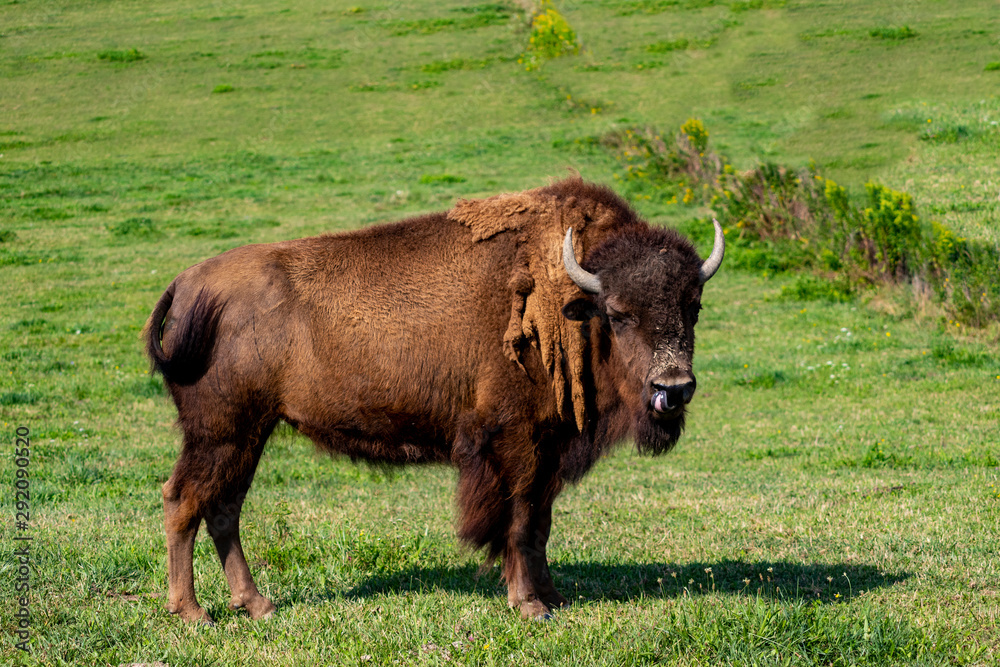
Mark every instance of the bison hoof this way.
pixel 192 614
pixel 261 608
pixel 258 608
pixel 535 610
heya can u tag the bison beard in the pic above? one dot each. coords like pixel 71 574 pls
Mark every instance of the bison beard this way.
pixel 472 338
pixel 656 436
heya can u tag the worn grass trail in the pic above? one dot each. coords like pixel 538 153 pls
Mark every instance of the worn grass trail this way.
pixel 835 499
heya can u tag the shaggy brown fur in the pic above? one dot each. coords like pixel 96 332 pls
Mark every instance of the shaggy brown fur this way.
pixel 538 282
pixel 454 338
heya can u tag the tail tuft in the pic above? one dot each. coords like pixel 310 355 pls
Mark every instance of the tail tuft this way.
pixel 193 338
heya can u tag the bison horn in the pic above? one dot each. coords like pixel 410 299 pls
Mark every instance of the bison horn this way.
pixel 585 280
pixel 711 265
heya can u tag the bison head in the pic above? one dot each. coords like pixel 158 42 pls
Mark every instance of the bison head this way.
pixel 645 287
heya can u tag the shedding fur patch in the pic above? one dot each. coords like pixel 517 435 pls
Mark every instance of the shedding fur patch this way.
pixel 539 281
pixel 504 212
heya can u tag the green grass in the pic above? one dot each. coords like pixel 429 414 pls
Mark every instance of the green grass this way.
pixel 904 32
pixel 835 499
pixel 118 56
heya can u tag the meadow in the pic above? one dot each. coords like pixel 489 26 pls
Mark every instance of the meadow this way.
pixel 835 499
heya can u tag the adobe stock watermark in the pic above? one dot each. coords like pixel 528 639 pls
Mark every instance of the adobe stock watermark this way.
pixel 22 537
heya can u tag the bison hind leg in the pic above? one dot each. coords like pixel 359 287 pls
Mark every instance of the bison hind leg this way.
pixel 223 523
pixel 181 520
pixel 210 481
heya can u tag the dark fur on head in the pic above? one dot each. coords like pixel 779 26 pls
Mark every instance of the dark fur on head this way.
pixel 633 262
pixel 650 276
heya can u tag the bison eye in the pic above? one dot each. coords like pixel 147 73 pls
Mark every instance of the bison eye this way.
pixel 618 318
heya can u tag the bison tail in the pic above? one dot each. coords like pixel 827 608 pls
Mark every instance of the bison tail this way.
pixel 193 336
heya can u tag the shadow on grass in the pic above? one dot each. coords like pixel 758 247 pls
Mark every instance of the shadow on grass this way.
pixel 827 582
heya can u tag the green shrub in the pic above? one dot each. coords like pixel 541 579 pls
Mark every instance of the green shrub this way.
pixel 696 133
pixel 891 232
pixel 944 247
pixel 148 386
pixel 371 87
pixel 761 379
pixel 18 398
pixel 968 283
pixel 904 32
pixel 773 202
pixel 760 259
pixel 812 288
pixel 992 67
pixel 947 134
pixel 876 457
pixel 16 258
pixel 423 85
pixel 439 66
pixel 830 260
pixel 472 17
pixel 223 88
pixel 668 46
pixel 127 56
pixel 34 325
pixel 49 213
pixel 944 350
pixel 788 220
pixel 845 221
pixel 134 227
pixel 551 37
pixel 430 179
pixel 748 5
pixel 770 453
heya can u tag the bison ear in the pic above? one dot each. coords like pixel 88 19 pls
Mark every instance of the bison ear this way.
pixel 580 310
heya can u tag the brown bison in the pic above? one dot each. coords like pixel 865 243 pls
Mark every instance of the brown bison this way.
pixel 472 337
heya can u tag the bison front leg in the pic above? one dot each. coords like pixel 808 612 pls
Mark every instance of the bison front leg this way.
pixel 526 568
pixel 508 516
pixel 546 590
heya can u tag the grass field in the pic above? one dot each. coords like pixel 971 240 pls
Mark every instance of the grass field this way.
pixel 836 497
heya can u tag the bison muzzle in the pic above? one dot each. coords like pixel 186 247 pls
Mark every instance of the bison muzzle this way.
pixel 517 338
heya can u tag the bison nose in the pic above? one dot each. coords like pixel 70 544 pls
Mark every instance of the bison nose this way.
pixel 670 394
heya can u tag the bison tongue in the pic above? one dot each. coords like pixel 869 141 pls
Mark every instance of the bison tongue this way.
pixel 660 402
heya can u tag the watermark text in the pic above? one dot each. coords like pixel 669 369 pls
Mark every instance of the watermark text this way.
pixel 22 537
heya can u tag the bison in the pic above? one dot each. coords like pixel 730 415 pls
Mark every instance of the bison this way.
pixel 517 338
